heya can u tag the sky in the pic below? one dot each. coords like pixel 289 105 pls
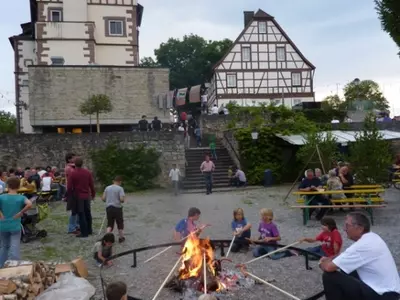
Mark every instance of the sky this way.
pixel 342 38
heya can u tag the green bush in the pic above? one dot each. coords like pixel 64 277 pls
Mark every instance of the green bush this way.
pixel 138 166
pixel 268 152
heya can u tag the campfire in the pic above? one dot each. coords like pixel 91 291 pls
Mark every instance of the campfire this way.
pixel 201 272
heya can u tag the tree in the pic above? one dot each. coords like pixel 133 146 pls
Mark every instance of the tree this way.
pixel 190 60
pixel 370 154
pixel 96 105
pixel 389 14
pixel 148 62
pixel 327 146
pixel 332 102
pixel 8 122
pixel 365 90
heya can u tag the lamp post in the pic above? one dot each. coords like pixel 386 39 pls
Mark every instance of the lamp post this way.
pixel 356 82
pixel 254 135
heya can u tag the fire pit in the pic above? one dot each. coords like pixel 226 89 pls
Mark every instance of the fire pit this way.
pixel 201 272
pixel 224 279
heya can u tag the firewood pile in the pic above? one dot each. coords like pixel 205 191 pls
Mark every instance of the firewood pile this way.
pixel 28 281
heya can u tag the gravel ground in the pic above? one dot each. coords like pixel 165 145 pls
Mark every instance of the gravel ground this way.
pixel 150 219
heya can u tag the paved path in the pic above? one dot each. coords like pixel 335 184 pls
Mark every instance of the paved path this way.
pixel 150 218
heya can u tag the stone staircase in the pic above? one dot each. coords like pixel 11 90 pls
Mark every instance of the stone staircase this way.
pixel 194 158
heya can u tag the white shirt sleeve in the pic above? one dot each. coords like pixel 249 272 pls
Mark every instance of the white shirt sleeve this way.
pixel 351 259
pixel 170 173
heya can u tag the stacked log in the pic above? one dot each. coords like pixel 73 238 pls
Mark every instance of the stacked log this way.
pixel 28 281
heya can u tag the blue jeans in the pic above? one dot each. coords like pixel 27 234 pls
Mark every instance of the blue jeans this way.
pixel 73 223
pixel 9 246
pixel 208 180
pixel 261 250
pixel 317 250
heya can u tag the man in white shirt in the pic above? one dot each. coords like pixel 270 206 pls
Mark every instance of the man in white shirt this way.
pixel 204 103
pixel 214 110
pixel 372 269
pixel 46 182
pixel 240 178
pixel 175 174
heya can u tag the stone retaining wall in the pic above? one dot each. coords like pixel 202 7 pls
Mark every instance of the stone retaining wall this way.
pixel 50 149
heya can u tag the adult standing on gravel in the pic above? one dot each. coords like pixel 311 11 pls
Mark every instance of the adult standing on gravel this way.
pixel 365 271
pixel 207 168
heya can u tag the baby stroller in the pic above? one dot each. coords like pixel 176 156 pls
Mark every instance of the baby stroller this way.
pixel 29 220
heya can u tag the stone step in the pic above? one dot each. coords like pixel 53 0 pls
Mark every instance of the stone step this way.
pixel 196 171
pixel 200 185
pixel 223 177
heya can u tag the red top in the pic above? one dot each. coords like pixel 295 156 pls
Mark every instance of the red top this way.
pixel 328 239
pixel 80 183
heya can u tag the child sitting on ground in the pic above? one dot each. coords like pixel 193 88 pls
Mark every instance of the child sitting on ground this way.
pixel 187 226
pixel 329 237
pixel 334 184
pixel 269 236
pixel 114 196
pixel 118 291
pixel 241 231
pixel 103 249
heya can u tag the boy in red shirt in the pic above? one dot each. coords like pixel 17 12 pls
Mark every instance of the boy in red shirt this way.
pixel 329 237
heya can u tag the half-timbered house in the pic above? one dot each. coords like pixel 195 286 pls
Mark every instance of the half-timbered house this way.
pixel 262 66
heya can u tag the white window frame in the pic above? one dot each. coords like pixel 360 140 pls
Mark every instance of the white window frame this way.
pixel 122 28
pixel 59 11
pixel 246 50
pixel 280 57
pixel 231 80
pixel 297 101
pixel 295 78
pixel 264 31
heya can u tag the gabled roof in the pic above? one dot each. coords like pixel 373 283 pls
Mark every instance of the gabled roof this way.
pixel 262 15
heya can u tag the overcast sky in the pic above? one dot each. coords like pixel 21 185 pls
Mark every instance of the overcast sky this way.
pixel 342 38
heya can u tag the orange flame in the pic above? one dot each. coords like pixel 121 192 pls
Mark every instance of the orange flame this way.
pixel 192 257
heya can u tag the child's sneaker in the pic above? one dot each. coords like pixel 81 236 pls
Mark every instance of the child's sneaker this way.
pixel 99 264
pixel 121 240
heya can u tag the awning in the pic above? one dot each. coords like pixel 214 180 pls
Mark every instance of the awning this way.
pixel 181 97
pixel 194 94
pixel 342 137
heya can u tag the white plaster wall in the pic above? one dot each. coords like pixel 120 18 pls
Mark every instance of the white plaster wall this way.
pixel 112 55
pixel 61 30
pixel 25 121
pixel 75 10
pixel 121 2
pixel 28 51
pixel 96 13
pixel 48 4
pixel 71 51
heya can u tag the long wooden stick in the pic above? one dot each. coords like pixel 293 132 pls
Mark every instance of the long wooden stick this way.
pixel 166 249
pixel 273 252
pixel 167 278
pixel 230 246
pixel 272 286
pixel 205 273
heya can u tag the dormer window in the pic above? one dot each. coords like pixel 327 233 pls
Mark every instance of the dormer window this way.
pixel 55 14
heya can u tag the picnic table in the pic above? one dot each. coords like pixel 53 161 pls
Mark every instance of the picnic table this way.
pixel 364 196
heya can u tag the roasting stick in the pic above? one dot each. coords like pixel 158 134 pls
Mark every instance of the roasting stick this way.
pixel 167 278
pixel 230 246
pixel 273 252
pixel 166 249
pixel 272 286
pixel 205 273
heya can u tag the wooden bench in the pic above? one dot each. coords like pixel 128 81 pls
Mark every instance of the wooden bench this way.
pixel 366 198
pixel 350 200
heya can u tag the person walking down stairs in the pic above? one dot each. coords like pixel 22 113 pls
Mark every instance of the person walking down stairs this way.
pixel 213 150
pixel 207 168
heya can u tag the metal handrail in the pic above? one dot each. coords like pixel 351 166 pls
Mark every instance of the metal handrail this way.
pixel 231 146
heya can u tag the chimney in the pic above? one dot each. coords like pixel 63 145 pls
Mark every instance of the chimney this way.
pixel 248 16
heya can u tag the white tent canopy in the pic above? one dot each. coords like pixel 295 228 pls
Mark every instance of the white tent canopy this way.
pixel 342 137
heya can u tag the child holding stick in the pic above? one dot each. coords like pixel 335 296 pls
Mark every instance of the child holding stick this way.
pixel 103 249
pixel 329 237
pixel 269 236
pixel 241 230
